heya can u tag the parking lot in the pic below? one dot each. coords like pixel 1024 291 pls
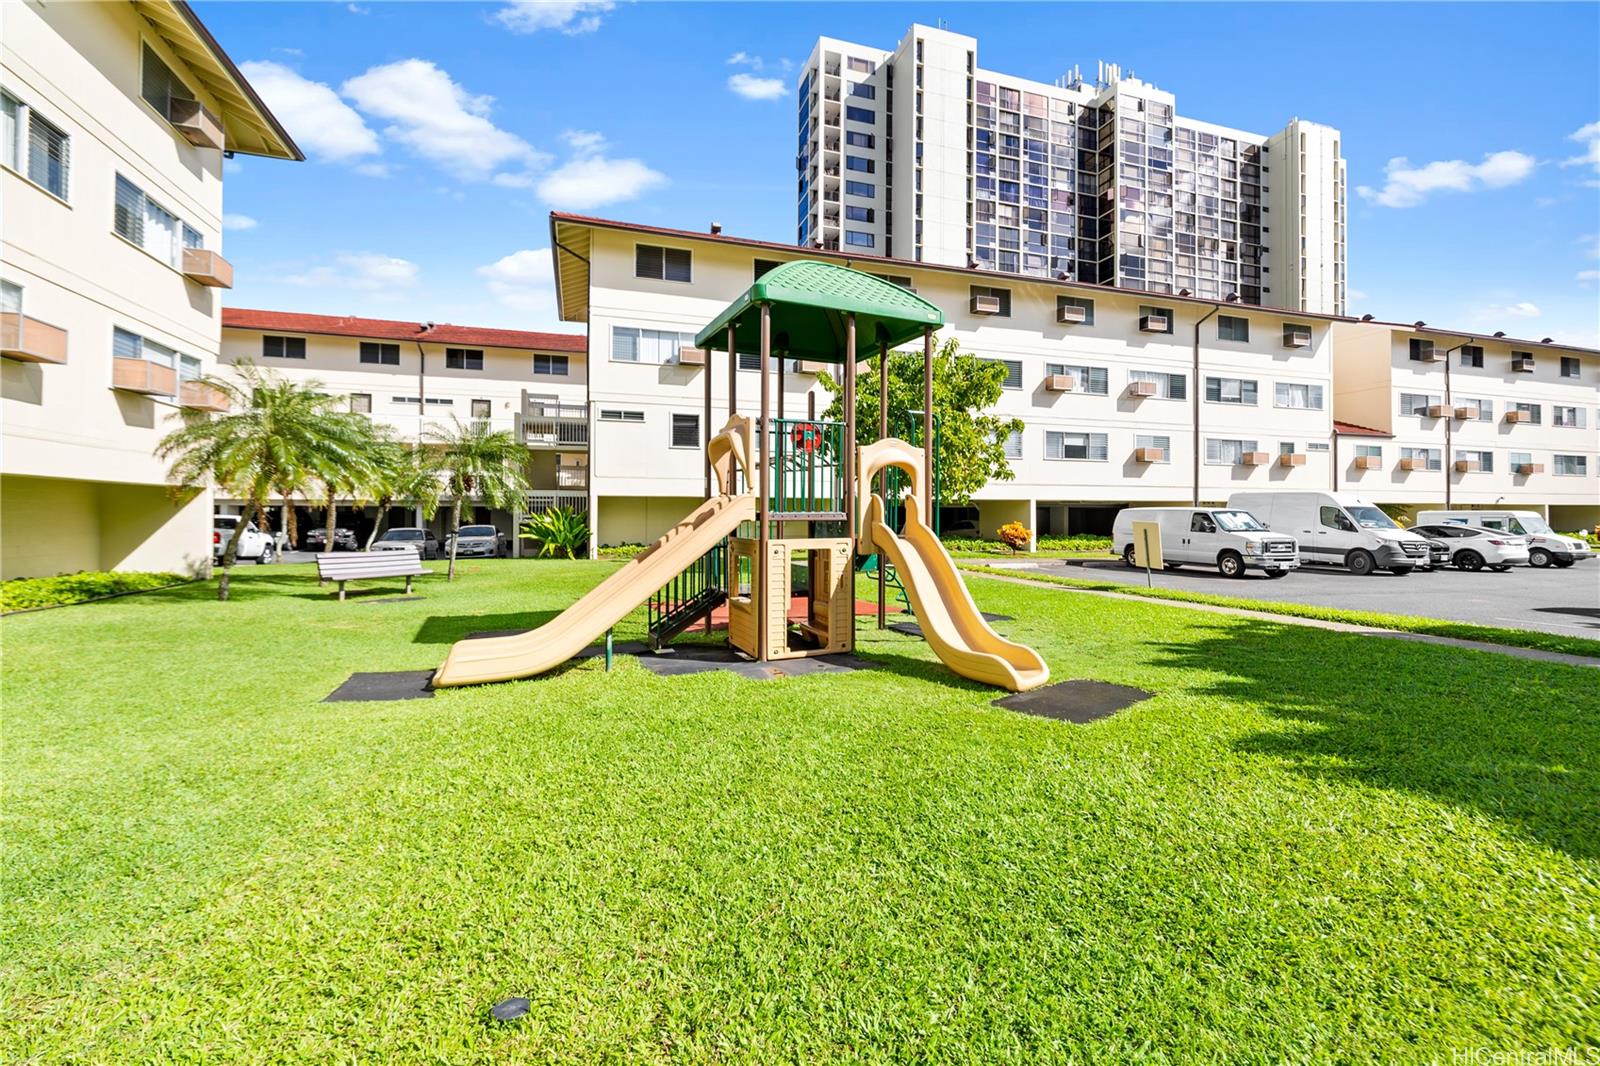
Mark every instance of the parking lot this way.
pixel 1554 601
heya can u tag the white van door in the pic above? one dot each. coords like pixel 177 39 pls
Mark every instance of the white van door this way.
pixel 1198 543
pixel 1335 534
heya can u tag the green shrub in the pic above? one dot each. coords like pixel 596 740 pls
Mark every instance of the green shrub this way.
pixel 23 593
pixel 561 531
pixel 620 551
pixel 1592 536
pixel 974 546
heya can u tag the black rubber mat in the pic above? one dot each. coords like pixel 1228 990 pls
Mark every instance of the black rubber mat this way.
pixel 911 629
pixel 1074 701
pixel 395 685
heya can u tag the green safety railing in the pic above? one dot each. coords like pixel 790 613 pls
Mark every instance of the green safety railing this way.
pixel 702 586
pixel 910 431
pixel 808 469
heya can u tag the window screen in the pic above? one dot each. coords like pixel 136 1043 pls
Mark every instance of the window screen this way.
pixel 686 431
pixel 663 264
pixel 382 354
pixel 283 347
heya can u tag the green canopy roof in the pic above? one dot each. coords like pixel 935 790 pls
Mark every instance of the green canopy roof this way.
pixel 809 303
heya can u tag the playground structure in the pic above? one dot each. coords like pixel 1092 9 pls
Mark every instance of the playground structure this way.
pixel 795 504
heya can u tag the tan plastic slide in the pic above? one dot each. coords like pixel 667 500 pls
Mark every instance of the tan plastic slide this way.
pixel 949 618
pixel 477 662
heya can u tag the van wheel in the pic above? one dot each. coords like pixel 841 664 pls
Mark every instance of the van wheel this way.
pixel 1231 564
pixel 1540 558
pixel 1562 564
pixel 1361 562
pixel 1127 558
pixel 1468 560
pixel 1277 573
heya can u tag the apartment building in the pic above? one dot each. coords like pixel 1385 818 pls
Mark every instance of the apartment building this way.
pixel 116 120
pixel 1457 419
pixel 1125 397
pixel 918 153
pixel 417 376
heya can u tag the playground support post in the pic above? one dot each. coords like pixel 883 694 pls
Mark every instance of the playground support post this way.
pixel 927 426
pixel 705 422
pixel 883 475
pixel 764 503
pixel 848 459
pixel 733 375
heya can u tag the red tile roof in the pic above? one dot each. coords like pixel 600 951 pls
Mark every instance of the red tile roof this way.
pixel 389 329
pixel 1350 429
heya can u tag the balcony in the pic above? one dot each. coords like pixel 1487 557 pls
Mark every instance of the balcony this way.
pixel 1292 459
pixel 1141 389
pixel 202 396
pixel 143 376
pixel 208 268
pixel 199 126
pixel 1058 383
pixel 1530 468
pixel 1256 458
pixel 1467 466
pixel 28 340
pixel 554 425
pixel 1375 462
pixel 1149 455
pixel 572 477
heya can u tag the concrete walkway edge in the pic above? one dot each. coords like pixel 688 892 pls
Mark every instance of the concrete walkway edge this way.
pixel 1537 654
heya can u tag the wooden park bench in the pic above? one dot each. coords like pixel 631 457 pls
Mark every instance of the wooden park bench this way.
pixel 360 566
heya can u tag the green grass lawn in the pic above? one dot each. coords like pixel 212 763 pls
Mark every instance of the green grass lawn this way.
pixel 1306 846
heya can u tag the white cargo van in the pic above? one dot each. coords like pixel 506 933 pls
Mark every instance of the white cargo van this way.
pixel 1230 540
pixel 1339 528
pixel 1546 547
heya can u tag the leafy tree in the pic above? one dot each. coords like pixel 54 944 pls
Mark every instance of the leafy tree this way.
pixel 273 429
pixel 560 531
pixel 477 463
pixel 400 475
pixel 972 439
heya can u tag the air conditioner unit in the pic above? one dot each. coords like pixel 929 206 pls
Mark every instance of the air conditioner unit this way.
pixel 986 305
pixel 1375 462
pixel 1466 466
pixel 1516 416
pixel 1141 388
pixel 199 126
pixel 1464 413
pixel 1530 468
pixel 1292 459
pixel 1149 455
pixel 1058 383
pixel 1071 314
pixel 1522 364
pixel 689 355
pixel 1437 410
pixel 1432 355
pixel 1152 323
pixel 1409 464
pixel 1297 338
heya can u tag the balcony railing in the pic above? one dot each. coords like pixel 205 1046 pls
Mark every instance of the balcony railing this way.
pixel 572 477
pixel 143 376
pixel 555 425
pixel 30 341
pixel 542 500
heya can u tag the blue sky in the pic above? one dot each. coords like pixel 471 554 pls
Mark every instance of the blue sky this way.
pixel 441 135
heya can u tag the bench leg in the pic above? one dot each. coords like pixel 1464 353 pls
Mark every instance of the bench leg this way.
pixel 341 591
pixel 408 584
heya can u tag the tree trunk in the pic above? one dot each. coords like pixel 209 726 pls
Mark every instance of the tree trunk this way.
pixel 333 520
pixel 455 524
pixel 291 526
pixel 383 509
pixel 230 555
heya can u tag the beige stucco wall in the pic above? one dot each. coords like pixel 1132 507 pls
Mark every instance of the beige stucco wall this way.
pixel 54 526
pixel 640 519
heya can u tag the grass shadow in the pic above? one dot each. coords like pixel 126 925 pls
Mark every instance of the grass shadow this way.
pixel 449 628
pixel 1516 741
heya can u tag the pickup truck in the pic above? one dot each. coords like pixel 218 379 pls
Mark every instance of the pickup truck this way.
pixel 262 547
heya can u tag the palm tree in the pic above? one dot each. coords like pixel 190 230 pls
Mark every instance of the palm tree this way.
pixel 400 475
pixel 336 475
pixel 274 429
pixel 477 463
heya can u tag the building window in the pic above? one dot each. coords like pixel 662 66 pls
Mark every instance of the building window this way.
pixel 1013 444
pixel 1531 412
pixel 1233 328
pixel 897 279
pixel 1087 307
pixel 361 403
pixel 856 139
pixel 1471 355
pixel 1420 350
pixel 10 122
pixel 1369 451
pixel 764 266
pixel 1013 379
pixel 860 164
pixel 554 366
pixel 1484 459
pixel 10 298
pixel 159 85
pixel 860 188
pixel 1093 380
pixel 1001 296
pixel 1519 459
pixel 862 90
pixel 463 358
pixel 858 214
pixel 1168 386
pixel 1571 417
pixel 1417 403
pixel 1423 458
pixel 49 152
pixel 126 344
pixel 141 221
pixel 1298 396
pixel 1570 367
pixel 1231 390
pixel 858 238
pixel 382 354
pixel 1227 452
pixel 1571 465
pixel 859 65
pixel 482 409
pixel 1164 313
pixel 1482 410
pixel 1286 447
pixel 614 415
pixel 860 114
pixel 685 431
pixel 662 264
pixel 1060 445
pixel 1163 444
pixel 656 346
pixel 273 347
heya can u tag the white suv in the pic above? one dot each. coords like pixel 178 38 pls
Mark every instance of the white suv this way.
pixel 254 544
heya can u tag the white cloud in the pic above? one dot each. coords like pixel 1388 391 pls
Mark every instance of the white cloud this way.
pixel 1353 295
pixel 1588 277
pixel 1407 186
pixel 369 272
pixel 439 120
pixel 571 17
pixel 1521 309
pixel 584 142
pixel 593 180
pixel 238 222
pixel 372 170
pixel 1589 137
pixel 357 9
pixel 741 59
pixel 321 123
pixel 522 280
pixel 753 88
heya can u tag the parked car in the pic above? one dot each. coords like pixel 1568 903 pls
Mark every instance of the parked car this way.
pixel 1546 547
pixel 1233 541
pixel 1337 528
pixel 344 540
pixel 477 540
pixel 408 539
pixel 254 544
pixel 1474 547
pixel 1438 553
